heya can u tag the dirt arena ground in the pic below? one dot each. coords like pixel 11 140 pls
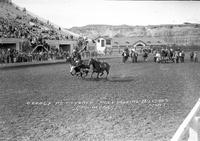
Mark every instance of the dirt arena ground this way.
pixel 138 102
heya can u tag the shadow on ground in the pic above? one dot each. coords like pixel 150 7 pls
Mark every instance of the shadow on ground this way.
pixel 112 79
pixel 121 79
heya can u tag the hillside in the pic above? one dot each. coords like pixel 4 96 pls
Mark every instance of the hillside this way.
pixel 15 19
pixel 185 34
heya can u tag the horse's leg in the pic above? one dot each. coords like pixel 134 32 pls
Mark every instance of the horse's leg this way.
pixel 102 73
pixel 98 75
pixel 72 69
pixel 78 72
pixel 92 74
pixel 123 59
pixel 107 71
pixel 81 73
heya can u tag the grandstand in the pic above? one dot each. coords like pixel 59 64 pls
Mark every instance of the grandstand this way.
pixel 19 25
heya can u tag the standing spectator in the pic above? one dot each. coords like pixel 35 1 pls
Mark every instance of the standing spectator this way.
pixel 171 54
pixel 4 56
pixel 162 54
pixel 8 56
pixel 134 56
pixel 182 57
pixel 158 57
pixel 1 56
pixel 68 53
pixel 125 55
pixel 195 57
pixel 12 55
pixel 145 56
pixel 176 56
pixel 192 56
pixel 154 55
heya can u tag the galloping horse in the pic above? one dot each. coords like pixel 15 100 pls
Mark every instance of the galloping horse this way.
pixel 80 70
pixel 99 67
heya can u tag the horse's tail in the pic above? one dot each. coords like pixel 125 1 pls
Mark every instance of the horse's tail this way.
pixel 108 68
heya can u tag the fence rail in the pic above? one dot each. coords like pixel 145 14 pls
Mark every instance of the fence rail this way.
pixel 190 125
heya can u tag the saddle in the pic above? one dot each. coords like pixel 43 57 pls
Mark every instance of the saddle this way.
pixel 99 67
pixel 79 64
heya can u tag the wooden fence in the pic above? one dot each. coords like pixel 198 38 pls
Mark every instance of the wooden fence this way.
pixel 189 126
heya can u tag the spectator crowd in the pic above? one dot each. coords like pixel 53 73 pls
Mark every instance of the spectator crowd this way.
pixel 159 55
pixel 14 56
pixel 32 30
pixel 176 56
pixel 165 55
pixel 33 33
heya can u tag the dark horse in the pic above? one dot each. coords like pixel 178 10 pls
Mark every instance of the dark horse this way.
pixel 78 70
pixel 99 67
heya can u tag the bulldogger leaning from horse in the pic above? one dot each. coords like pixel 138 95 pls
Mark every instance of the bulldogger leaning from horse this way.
pixel 78 68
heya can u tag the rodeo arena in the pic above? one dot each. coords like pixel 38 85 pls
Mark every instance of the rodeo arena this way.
pixel 57 85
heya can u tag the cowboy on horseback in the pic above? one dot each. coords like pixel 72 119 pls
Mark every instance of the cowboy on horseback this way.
pixel 76 64
pixel 76 56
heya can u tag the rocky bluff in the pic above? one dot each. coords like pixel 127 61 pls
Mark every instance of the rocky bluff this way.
pixel 187 34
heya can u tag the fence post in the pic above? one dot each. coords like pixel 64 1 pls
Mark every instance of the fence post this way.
pixel 194 134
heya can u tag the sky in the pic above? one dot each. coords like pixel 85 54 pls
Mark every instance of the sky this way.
pixel 70 13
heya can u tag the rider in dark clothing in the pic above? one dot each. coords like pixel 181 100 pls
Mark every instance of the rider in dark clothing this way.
pixel 76 56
